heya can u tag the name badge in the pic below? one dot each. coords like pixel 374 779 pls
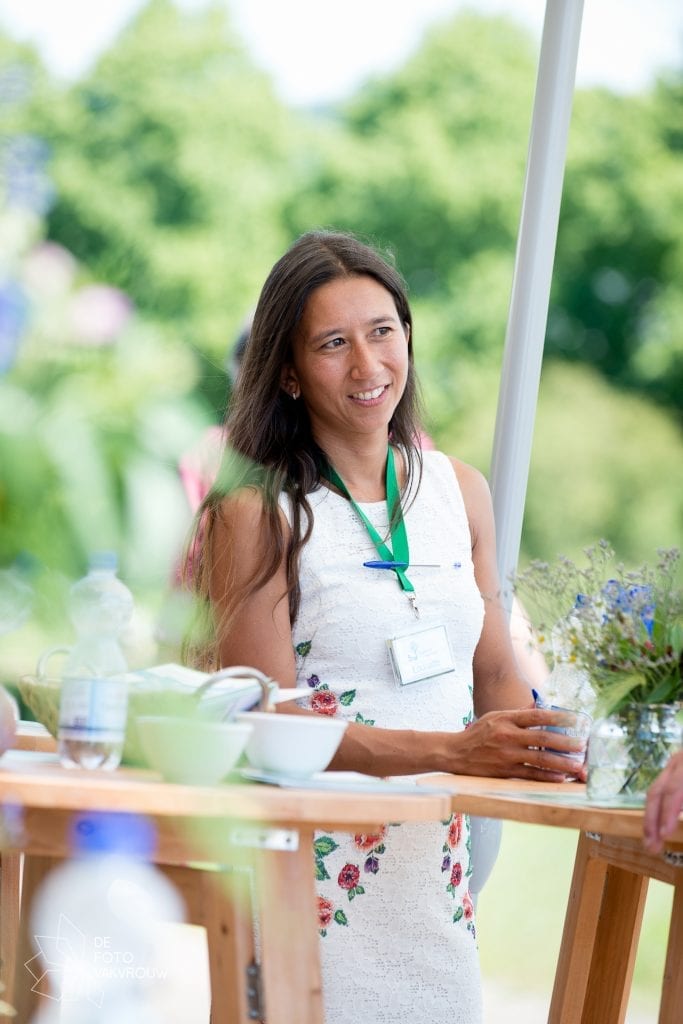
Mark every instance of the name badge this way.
pixel 420 655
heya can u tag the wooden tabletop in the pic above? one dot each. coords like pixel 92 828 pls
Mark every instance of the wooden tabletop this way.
pixel 36 780
pixel 562 805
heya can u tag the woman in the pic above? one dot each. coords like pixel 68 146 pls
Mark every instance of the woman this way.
pixel 408 655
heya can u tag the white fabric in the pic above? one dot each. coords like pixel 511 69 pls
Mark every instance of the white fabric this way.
pixel 403 947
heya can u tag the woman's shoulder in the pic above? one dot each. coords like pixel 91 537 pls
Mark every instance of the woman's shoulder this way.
pixel 469 477
pixel 471 482
pixel 243 508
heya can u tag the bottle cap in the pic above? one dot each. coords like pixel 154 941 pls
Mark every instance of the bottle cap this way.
pixel 103 561
pixel 112 832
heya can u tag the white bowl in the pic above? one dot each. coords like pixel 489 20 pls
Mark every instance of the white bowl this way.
pixel 190 750
pixel 292 744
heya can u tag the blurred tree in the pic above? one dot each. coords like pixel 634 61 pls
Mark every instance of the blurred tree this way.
pixel 434 166
pixel 96 404
pixel 180 178
pixel 431 158
pixel 616 289
pixel 603 462
pixel 171 162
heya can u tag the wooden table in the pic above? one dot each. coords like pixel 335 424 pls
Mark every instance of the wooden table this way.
pixel 271 830
pixel 606 898
pixel 263 828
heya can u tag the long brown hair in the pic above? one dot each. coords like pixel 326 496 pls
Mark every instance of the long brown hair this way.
pixel 271 446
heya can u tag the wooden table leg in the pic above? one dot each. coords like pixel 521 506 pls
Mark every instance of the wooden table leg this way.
pixel 672 988
pixel 578 937
pixel 290 953
pixel 600 939
pixel 25 998
pixel 220 901
pixel 10 905
pixel 616 945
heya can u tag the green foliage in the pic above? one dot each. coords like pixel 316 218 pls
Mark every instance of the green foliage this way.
pixel 91 425
pixel 431 158
pixel 614 294
pixel 179 178
pixel 603 462
pixel 170 162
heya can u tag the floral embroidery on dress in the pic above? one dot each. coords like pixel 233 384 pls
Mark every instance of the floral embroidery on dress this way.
pixel 327 914
pixel 456 878
pixel 453 837
pixel 322 847
pixel 374 846
pixel 468 908
pixel 466 911
pixel 465 907
pixel 323 701
pixel 348 879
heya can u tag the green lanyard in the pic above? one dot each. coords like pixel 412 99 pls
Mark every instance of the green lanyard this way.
pixel 399 537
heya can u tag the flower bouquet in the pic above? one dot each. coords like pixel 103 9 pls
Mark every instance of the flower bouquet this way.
pixel 621 631
pixel 623 628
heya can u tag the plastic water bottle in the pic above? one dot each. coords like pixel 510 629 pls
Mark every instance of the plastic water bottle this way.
pixel 94 699
pixel 96 922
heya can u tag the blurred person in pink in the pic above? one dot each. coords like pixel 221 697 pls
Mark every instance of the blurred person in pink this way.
pixel 199 465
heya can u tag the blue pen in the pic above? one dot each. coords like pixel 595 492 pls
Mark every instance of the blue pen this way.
pixel 405 565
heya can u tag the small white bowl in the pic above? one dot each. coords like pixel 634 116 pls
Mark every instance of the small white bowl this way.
pixel 190 750
pixel 291 744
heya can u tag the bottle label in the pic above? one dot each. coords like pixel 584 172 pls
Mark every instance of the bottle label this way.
pixel 93 709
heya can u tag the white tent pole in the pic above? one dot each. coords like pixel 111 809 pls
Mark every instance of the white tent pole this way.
pixel 531 280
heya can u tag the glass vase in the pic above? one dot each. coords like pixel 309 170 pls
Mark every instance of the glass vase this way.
pixel 628 749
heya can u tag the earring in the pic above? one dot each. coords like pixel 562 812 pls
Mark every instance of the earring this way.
pixel 294 393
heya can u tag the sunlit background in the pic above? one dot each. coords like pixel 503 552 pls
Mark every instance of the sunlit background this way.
pixel 156 158
pixel 315 54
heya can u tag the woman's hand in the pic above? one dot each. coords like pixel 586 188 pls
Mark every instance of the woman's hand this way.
pixel 503 744
pixel 519 744
pixel 664 804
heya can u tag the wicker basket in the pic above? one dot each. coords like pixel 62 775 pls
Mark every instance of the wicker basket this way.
pixel 160 691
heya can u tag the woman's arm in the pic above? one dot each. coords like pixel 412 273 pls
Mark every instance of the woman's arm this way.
pixel 260 635
pixel 498 682
pixel 259 632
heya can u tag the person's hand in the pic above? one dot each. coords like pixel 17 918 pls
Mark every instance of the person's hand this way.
pixel 519 744
pixel 664 804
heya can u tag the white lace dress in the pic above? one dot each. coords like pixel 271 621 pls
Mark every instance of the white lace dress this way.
pixel 396 918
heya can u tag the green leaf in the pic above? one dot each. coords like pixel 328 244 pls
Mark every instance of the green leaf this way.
pixel 360 890
pixel 458 914
pixel 340 917
pixel 321 873
pixel 347 697
pixel 304 648
pixel 324 845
